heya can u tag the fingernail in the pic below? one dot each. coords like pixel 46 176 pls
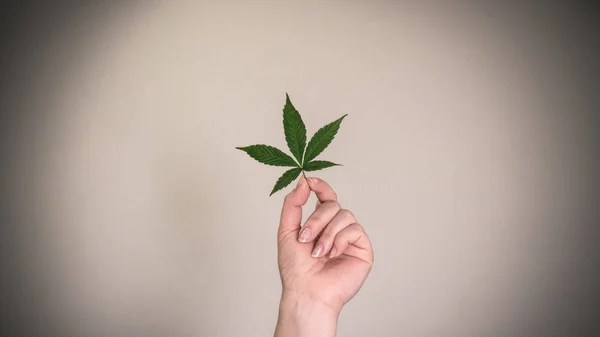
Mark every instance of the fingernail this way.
pixel 304 235
pixel 311 180
pixel 318 250
pixel 332 253
pixel 301 181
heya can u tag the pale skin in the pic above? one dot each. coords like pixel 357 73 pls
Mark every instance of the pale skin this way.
pixel 322 264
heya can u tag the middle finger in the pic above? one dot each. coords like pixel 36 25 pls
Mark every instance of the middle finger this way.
pixel 318 220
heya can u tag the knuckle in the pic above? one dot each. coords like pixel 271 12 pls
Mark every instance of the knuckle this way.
pixel 357 227
pixel 332 204
pixel 347 214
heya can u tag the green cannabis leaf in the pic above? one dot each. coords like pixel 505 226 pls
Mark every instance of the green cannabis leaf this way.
pixel 285 179
pixel 294 129
pixel 295 136
pixel 322 139
pixel 316 165
pixel 268 155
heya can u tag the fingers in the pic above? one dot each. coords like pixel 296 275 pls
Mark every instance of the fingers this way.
pixel 342 219
pixel 291 212
pixel 323 191
pixel 353 241
pixel 318 220
pixel 337 229
pixel 326 208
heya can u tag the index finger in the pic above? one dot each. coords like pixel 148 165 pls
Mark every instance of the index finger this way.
pixel 322 189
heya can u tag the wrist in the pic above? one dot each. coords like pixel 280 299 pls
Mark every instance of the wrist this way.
pixel 300 316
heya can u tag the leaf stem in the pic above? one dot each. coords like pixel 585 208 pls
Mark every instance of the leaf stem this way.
pixel 304 174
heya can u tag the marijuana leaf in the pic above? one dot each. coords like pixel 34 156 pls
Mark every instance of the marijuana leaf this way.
pixel 295 136
pixel 316 165
pixel 322 139
pixel 285 179
pixel 294 129
pixel 268 155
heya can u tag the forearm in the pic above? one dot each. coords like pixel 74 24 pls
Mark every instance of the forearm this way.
pixel 302 318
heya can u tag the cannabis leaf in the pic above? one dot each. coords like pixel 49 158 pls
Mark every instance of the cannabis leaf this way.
pixel 268 155
pixel 287 177
pixel 294 129
pixel 295 136
pixel 316 165
pixel 322 139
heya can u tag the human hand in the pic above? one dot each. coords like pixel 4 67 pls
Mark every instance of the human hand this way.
pixel 322 264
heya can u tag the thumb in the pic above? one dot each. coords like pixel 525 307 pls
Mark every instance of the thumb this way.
pixel 291 212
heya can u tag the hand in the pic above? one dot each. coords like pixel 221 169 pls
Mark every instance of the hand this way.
pixel 322 264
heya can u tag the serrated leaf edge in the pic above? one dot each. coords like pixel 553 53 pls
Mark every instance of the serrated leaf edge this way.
pixel 276 189
pixel 243 148
pixel 305 152
pixel 304 167
pixel 288 138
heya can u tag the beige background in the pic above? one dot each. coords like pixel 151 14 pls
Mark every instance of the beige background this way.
pixel 460 152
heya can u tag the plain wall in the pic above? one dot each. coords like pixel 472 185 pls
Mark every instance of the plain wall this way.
pixel 468 157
